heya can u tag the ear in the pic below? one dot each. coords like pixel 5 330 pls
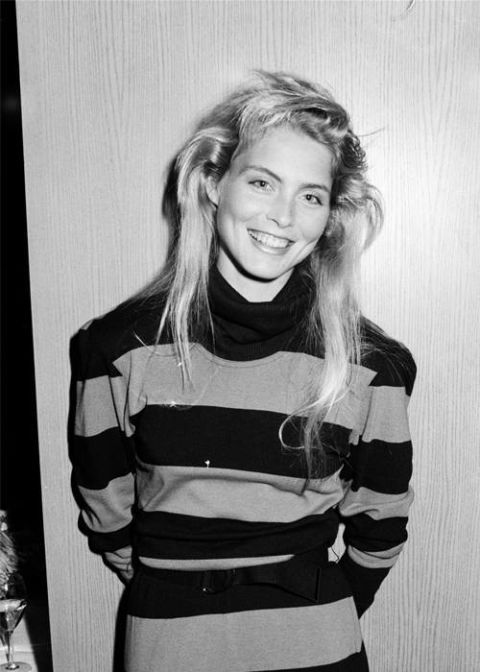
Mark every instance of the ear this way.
pixel 212 190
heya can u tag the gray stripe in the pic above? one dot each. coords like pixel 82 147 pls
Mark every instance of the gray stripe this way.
pixel 377 505
pixel 387 418
pixel 212 563
pixel 102 403
pixel 95 409
pixel 280 383
pixel 109 510
pixel 250 640
pixel 377 559
pixel 235 494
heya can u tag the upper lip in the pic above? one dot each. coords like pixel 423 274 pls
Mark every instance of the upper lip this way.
pixel 267 233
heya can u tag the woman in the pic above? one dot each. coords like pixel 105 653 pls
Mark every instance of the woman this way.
pixel 236 411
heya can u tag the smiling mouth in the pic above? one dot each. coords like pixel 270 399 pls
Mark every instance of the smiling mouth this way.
pixel 268 240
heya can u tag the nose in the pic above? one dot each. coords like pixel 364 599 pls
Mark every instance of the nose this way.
pixel 281 211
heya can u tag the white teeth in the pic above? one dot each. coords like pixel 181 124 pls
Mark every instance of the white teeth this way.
pixel 268 240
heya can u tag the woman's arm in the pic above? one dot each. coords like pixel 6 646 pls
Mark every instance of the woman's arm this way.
pixel 376 504
pixel 102 450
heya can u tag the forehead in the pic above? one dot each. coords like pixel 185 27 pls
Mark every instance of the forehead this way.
pixel 286 151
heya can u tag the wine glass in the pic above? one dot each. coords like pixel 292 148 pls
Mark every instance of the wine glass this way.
pixel 13 600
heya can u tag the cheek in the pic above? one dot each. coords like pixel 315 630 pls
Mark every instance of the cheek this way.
pixel 236 205
pixel 312 229
pixel 229 220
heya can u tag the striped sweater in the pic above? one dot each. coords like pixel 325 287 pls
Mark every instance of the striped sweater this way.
pixel 195 477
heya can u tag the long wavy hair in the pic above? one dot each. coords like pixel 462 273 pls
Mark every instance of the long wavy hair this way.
pixel 273 100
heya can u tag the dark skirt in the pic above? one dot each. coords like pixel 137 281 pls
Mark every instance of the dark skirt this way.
pixel 246 628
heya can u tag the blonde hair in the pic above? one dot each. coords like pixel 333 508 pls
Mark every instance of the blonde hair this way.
pixel 274 100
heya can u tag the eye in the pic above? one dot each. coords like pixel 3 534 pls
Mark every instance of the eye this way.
pixel 313 199
pixel 260 184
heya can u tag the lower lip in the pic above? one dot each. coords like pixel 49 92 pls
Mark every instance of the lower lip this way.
pixel 276 251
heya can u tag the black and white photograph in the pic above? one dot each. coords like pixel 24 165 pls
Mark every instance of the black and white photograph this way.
pixel 240 336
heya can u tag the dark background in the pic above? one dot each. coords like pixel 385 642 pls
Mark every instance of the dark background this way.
pixel 20 475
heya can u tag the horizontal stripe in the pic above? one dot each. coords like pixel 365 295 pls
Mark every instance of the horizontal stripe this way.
pixel 377 505
pixel 240 495
pixel 375 560
pixel 280 383
pixel 95 408
pixel 103 403
pixel 230 439
pixel 175 536
pixel 154 597
pixel 357 662
pixel 381 467
pixel 110 509
pixel 394 366
pixel 211 563
pixel 89 356
pixel 387 418
pixel 386 361
pixel 111 541
pixel 99 459
pixel 367 534
pixel 250 640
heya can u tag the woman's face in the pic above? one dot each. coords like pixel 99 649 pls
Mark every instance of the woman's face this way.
pixel 273 205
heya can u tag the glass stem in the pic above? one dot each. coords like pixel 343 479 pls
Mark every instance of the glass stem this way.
pixel 8 641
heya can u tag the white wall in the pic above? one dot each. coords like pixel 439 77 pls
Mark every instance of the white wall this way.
pixel 109 89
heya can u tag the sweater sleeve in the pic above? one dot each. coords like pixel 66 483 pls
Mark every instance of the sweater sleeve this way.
pixel 102 451
pixel 376 503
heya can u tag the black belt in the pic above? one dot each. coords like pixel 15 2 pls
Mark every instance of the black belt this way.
pixel 300 575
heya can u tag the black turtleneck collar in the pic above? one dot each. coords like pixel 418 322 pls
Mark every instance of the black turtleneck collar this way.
pixel 245 330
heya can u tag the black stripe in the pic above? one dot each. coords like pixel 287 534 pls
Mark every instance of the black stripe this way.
pixel 176 536
pixel 99 459
pixel 109 337
pixel 88 360
pixel 367 534
pixel 135 322
pixel 357 662
pixel 394 365
pixel 110 541
pixel 230 439
pixel 152 597
pixel 380 466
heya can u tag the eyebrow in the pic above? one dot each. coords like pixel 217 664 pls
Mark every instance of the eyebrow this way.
pixel 262 169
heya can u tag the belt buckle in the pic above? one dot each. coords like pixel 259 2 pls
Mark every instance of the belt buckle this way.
pixel 216 580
